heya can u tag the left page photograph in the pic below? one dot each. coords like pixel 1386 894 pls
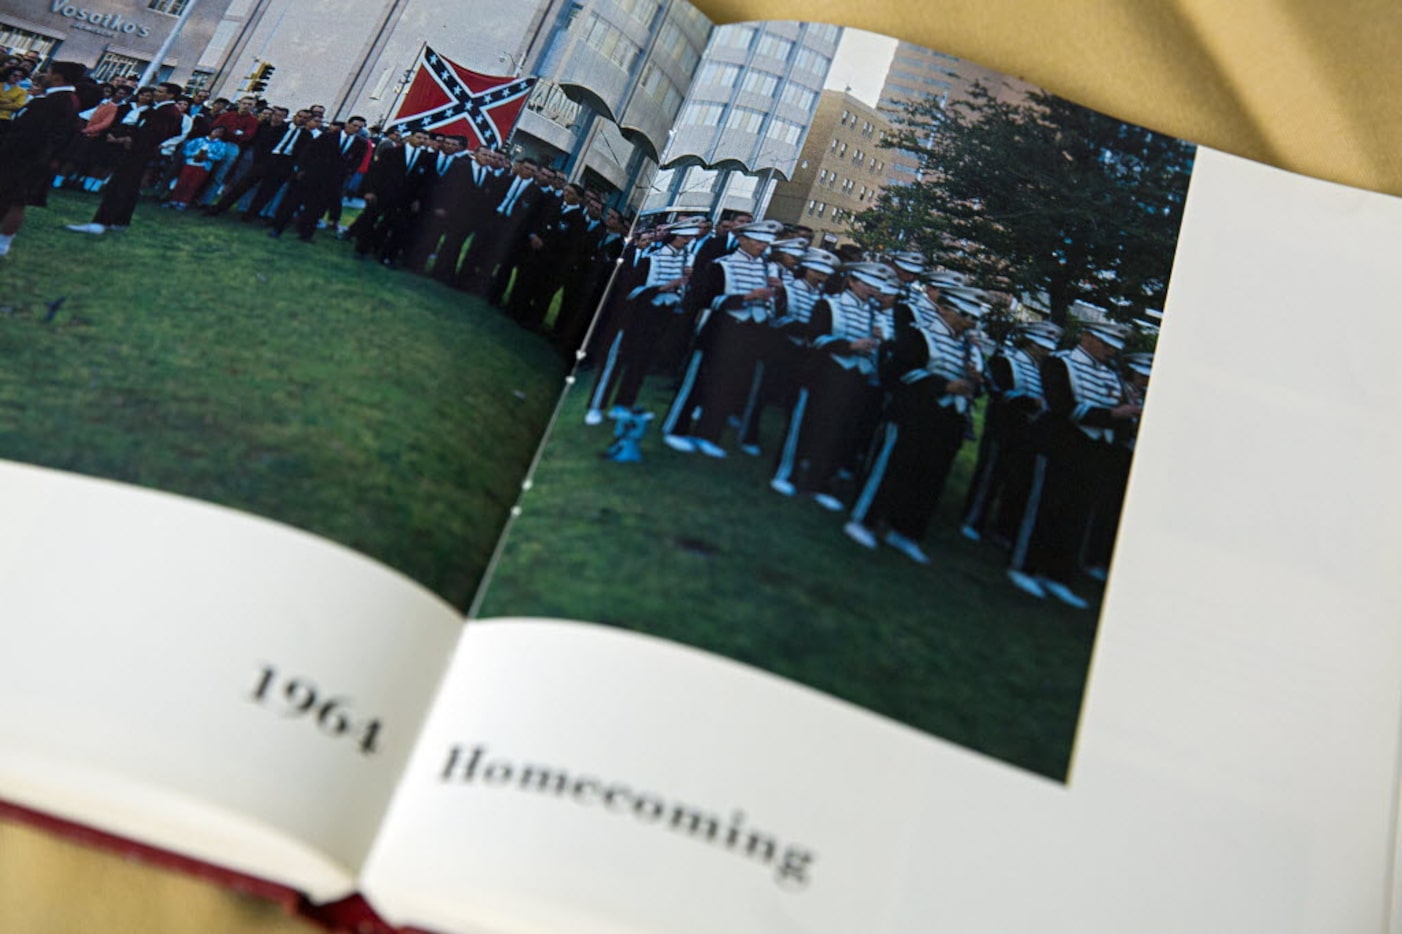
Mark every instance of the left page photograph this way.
pixel 289 293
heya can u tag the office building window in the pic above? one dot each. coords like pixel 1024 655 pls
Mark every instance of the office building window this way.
pixel 659 87
pixel 671 42
pixel 703 114
pixel 641 10
pixel 734 37
pixel 718 73
pixel 111 65
pixel 774 47
pixel 784 131
pixel 611 43
pixel 806 60
pixel 761 82
pixel 22 40
pixel 198 81
pixel 799 96
pixel 744 120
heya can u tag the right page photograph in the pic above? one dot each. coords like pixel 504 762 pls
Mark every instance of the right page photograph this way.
pixel 862 405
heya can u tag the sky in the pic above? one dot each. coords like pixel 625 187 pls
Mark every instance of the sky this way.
pixel 862 61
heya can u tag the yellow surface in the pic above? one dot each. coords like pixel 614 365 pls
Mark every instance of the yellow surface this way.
pixel 1309 85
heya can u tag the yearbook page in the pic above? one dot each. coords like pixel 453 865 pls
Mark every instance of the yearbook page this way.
pixel 280 333
pixel 755 711
pixel 1234 765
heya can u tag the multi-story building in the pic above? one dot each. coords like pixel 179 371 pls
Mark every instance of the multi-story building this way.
pixel 840 172
pixel 614 74
pixel 917 72
pixel 356 55
pixel 116 37
pixel 613 71
pixel 745 118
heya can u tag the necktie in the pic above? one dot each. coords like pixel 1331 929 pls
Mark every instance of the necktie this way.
pixel 510 201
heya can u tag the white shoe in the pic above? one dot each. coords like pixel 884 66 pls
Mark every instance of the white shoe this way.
pixel 593 417
pixel 782 487
pixel 828 501
pixel 971 533
pixel 87 228
pixel 750 449
pixel 907 547
pixel 1027 584
pixel 117 227
pixel 709 448
pixel 1063 593
pixel 860 534
pixel 680 443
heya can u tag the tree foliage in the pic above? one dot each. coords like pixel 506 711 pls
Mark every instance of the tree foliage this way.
pixel 1038 198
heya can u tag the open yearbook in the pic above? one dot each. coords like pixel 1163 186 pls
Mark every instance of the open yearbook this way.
pixel 574 467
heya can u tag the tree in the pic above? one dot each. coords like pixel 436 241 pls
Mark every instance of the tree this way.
pixel 1039 198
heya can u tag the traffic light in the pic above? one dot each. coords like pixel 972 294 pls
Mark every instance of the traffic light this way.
pixel 258 81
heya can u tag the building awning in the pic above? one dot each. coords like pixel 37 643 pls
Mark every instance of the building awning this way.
pixel 692 160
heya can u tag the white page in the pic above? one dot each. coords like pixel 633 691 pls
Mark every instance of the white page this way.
pixel 137 627
pixel 1235 769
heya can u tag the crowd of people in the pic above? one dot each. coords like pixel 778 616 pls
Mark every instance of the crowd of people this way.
pixel 515 232
pixel 875 366
pixel 874 363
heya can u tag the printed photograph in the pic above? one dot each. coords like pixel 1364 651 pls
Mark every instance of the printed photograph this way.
pixel 861 406
pixel 324 262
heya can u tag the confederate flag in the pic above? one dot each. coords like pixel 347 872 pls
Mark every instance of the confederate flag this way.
pixel 446 98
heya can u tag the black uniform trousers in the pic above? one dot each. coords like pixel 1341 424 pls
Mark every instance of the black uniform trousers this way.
pixel 1067 478
pixel 915 448
pixel 828 430
pixel 732 359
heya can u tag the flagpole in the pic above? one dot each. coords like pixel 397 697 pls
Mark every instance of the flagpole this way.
pixel 405 83
pixel 152 70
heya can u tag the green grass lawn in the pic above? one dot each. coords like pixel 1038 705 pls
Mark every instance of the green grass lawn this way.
pixel 199 357
pixel 702 552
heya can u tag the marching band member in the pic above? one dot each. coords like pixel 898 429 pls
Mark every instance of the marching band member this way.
pixel 653 292
pixel 1086 407
pixel 737 301
pixel 937 370
pixel 998 491
pixel 847 330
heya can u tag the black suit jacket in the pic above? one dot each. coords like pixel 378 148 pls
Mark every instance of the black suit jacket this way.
pixel 35 138
pixel 322 158
pixel 157 125
pixel 269 138
pixel 394 183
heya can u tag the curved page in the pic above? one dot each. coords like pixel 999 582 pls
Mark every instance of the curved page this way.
pixel 203 681
pixel 1235 765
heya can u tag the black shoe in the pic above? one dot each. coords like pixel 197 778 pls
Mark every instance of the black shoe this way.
pixel 274 234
